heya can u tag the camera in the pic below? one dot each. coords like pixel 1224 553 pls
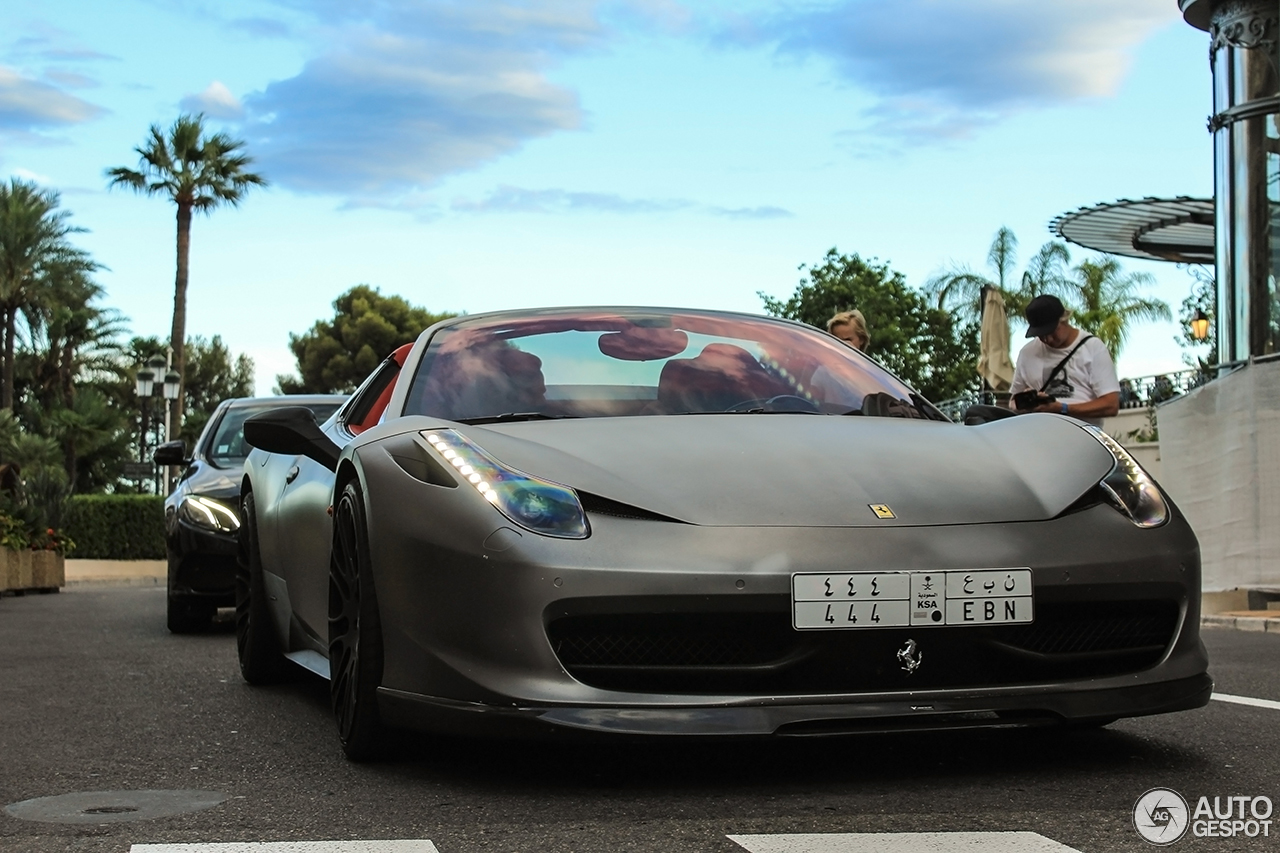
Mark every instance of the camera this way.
pixel 1025 401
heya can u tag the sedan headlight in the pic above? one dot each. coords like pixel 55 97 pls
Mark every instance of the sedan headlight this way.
pixel 209 514
pixel 1128 488
pixel 531 502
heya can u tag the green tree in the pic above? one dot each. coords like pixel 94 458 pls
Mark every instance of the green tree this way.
pixel 918 342
pixel 197 172
pixel 1107 302
pixel 74 353
pixel 959 289
pixel 334 356
pixel 34 252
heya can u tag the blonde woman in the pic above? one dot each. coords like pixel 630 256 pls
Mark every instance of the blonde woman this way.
pixel 850 327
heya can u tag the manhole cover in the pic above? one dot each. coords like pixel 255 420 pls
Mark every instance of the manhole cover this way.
pixel 113 806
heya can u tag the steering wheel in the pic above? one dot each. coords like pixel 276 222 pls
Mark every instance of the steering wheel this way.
pixel 779 403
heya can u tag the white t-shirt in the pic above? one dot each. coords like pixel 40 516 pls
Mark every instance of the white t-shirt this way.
pixel 1087 376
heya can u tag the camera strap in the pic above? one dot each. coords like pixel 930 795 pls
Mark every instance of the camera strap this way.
pixel 1063 364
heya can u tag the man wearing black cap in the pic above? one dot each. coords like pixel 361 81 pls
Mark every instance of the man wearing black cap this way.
pixel 1070 371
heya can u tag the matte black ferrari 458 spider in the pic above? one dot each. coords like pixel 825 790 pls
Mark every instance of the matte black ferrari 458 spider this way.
pixel 652 521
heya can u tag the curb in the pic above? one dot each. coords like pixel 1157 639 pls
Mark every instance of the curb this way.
pixel 1258 624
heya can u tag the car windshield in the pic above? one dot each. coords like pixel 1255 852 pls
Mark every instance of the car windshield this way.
pixel 227 448
pixel 619 363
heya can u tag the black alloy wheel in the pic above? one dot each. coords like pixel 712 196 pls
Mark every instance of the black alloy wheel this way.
pixel 257 646
pixel 355 631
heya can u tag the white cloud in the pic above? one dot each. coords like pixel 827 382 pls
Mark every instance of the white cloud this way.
pixel 28 175
pixel 947 66
pixel 404 94
pixel 27 105
pixel 216 101
pixel 508 199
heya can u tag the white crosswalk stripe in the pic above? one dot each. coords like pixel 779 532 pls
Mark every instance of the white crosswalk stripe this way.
pixel 836 842
pixel 1247 700
pixel 416 846
pixel 902 842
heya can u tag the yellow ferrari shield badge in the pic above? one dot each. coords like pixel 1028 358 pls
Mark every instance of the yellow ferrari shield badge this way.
pixel 882 510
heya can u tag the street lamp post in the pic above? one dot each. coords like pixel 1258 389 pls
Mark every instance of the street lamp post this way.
pixel 155 381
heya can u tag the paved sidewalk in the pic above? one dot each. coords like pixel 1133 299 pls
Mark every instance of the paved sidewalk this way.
pixel 1244 620
pixel 117 572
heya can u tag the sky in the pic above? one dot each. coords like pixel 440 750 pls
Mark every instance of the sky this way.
pixel 475 155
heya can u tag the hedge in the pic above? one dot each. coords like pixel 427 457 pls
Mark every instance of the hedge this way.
pixel 116 527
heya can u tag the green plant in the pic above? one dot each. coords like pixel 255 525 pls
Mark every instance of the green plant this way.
pixel 116 527
pixel 13 533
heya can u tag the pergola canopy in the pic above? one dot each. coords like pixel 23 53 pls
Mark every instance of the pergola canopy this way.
pixel 1154 229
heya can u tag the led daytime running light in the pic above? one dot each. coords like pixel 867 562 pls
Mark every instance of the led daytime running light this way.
pixel 531 502
pixel 209 514
pixel 1129 488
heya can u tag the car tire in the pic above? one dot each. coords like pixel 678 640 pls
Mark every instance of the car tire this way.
pixel 257 646
pixel 355 631
pixel 188 617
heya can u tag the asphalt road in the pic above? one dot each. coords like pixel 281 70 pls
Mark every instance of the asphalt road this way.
pixel 95 695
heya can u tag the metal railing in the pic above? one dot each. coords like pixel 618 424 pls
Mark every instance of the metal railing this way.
pixel 1135 392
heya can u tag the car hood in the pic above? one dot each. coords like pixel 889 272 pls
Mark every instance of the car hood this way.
pixel 809 470
pixel 205 479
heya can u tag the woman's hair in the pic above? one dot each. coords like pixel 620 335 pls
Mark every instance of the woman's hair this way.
pixel 856 321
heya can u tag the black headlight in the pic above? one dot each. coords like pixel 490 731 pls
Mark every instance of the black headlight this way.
pixel 1129 488
pixel 209 514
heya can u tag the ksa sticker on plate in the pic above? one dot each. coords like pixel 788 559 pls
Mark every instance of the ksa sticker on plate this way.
pixel 911 599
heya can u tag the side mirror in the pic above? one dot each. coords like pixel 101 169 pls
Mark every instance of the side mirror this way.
pixel 292 431
pixel 172 453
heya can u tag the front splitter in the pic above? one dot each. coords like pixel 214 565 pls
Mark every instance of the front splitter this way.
pixel 930 710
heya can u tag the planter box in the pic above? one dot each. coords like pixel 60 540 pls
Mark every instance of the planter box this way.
pixel 19 569
pixel 31 570
pixel 48 570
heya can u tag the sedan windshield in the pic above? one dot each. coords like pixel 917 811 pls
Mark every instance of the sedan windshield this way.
pixel 228 448
pixel 628 363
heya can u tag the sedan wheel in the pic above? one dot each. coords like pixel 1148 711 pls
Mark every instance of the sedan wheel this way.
pixel 355 633
pixel 256 643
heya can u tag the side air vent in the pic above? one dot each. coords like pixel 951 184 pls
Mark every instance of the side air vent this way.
pixel 596 505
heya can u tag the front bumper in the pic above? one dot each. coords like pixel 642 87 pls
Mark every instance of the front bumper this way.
pixel 202 563
pixel 469 620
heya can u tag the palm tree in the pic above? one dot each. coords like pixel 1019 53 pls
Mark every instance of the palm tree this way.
pixel 33 251
pixel 197 173
pixel 960 289
pixel 1110 303
pixel 1045 274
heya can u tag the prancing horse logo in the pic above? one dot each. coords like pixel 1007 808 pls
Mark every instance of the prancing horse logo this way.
pixel 910 656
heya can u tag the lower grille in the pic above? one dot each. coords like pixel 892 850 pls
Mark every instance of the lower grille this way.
pixel 681 641
pixel 760 651
pixel 1107 626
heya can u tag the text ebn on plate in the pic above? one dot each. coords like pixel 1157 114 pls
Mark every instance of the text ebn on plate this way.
pixel 911 598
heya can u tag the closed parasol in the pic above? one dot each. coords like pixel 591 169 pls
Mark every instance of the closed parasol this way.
pixel 994 365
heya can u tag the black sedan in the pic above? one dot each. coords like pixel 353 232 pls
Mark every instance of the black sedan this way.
pixel 201 515
pixel 655 521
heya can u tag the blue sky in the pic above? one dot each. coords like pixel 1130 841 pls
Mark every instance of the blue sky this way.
pixel 480 154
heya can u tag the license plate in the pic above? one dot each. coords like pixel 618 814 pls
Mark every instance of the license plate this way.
pixel 911 599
